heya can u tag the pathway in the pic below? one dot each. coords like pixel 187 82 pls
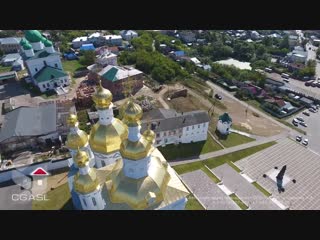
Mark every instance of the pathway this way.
pixel 228 150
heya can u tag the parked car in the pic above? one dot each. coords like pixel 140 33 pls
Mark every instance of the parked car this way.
pixel 303 124
pixel 218 96
pixel 300 119
pixel 299 138
pixel 305 142
pixel 312 110
pixel 306 113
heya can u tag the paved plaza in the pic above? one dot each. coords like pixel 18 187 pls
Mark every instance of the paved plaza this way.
pixel 247 193
pixel 210 195
pixel 303 167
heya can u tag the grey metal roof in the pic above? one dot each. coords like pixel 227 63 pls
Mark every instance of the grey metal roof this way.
pixel 11 56
pixel 179 121
pixel 29 121
pixel 10 40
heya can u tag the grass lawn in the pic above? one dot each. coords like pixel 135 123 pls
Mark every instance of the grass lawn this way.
pixel 193 204
pixel 5 69
pixel 217 161
pixel 233 139
pixel 183 150
pixel 72 66
pixel 238 202
pixel 264 191
pixel 59 198
pixel 83 119
pixel 256 104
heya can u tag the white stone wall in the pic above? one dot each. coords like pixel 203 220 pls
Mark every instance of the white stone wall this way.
pixel 92 201
pixel 102 160
pixel 188 134
pixel 49 85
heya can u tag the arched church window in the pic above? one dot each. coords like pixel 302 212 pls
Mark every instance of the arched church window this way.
pixel 94 201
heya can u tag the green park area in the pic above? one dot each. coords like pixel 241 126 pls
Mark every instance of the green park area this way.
pixel 72 66
pixel 233 139
pixel 193 204
pixel 184 150
pixel 5 69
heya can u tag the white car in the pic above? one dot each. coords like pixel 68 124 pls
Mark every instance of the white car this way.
pixel 305 142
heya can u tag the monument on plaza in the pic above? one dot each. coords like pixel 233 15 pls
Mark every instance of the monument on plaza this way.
pixel 280 178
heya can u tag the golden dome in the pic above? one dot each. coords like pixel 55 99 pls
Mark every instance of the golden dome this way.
pixel 102 98
pixel 132 113
pixel 106 139
pixel 139 193
pixel 149 135
pixel 81 158
pixel 86 183
pixel 136 150
pixel 72 120
pixel 78 139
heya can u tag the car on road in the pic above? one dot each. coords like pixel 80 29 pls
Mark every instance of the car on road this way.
pixel 218 96
pixel 299 138
pixel 303 124
pixel 305 142
pixel 306 113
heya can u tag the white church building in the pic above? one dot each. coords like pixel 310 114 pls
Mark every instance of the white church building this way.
pixel 117 166
pixel 43 62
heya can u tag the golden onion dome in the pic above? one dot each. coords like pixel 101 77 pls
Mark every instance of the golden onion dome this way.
pixel 81 158
pixel 136 150
pixel 78 139
pixel 139 193
pixel 149 135
pixel 102 98
pixel 106 139
pixel 132 114
pixel 72 120
pixel 87 183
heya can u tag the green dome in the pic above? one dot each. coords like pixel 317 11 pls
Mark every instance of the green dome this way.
pixel 47 43
pixel 33 36
pixel 23 41
pixel 27 46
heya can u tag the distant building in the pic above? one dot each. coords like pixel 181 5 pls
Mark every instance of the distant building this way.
pixel 224 124
pixel 10 45
pixel 113 78
pixel 87 47
pixel 113 40
pixel 106 58
pixel 14 60
pixel 172 127
pixel 128 34
pixel 26 127
pixel 187 36
pixel 79 41
pixel 207 68
pixel 298 55
pixel 293 40
pixel 195 61
pixel 8 76
pixel 316 42
pixel 43 62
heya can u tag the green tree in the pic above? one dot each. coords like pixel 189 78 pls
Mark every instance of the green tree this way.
pixel 285 42
pixel 88 58
pixel 1 53
pixel 318 53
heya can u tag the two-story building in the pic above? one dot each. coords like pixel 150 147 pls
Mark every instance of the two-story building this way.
pixel 172 127
pixel 10 45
